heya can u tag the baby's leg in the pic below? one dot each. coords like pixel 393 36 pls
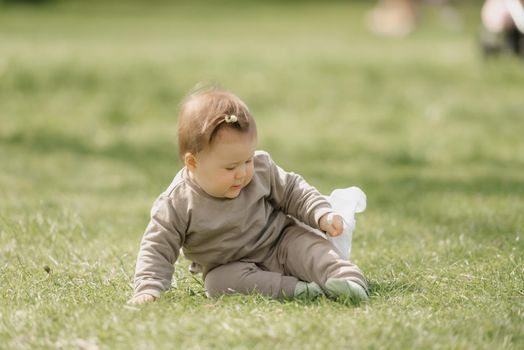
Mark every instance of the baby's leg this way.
pixel 245 278
pixel 313 259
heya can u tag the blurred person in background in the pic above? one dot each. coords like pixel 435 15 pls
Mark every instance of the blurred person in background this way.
pixel 393 17
pixel 502 27
pixel 400 17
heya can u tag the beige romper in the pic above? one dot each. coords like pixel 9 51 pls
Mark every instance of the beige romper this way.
pixel 249 243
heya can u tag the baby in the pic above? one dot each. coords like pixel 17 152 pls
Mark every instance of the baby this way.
pixel 232 211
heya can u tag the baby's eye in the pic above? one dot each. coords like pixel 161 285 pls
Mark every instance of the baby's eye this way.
pixel 230 168
pixel 249 161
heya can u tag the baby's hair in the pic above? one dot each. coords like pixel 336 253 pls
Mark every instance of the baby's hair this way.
pixel 204 112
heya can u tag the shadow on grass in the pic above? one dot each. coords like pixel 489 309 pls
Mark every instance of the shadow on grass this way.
pixel 45 141
pixel 411 187
pixel 388 192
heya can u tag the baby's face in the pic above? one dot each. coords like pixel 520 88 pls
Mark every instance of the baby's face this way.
pixel 226 167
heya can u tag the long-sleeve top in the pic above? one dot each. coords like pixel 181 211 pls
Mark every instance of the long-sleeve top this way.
pixel 215 231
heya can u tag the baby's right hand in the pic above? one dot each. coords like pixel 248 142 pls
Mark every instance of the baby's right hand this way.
pixel 332 224
pixel 141 299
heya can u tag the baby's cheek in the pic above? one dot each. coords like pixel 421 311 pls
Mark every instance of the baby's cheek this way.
pixel 248 179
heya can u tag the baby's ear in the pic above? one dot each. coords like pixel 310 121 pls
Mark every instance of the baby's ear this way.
pixel 190 161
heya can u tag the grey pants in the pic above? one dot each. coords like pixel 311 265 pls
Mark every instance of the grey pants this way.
pixel 298 255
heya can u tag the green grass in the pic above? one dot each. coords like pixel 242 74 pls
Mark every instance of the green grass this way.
pixel 430 131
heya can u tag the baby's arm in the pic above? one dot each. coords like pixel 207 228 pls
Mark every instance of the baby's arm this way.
pixel 159 250
pixel 294 196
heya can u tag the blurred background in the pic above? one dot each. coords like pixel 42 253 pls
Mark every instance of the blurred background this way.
pixel 325 79
pixel 418 103
pixel 89 93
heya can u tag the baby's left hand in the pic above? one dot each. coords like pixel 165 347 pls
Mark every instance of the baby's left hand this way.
pixel 335 228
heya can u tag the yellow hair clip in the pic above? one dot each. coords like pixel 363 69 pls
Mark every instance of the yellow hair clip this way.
pixel 231 118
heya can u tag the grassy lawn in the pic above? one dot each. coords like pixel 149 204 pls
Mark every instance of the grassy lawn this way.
pixel 430 131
